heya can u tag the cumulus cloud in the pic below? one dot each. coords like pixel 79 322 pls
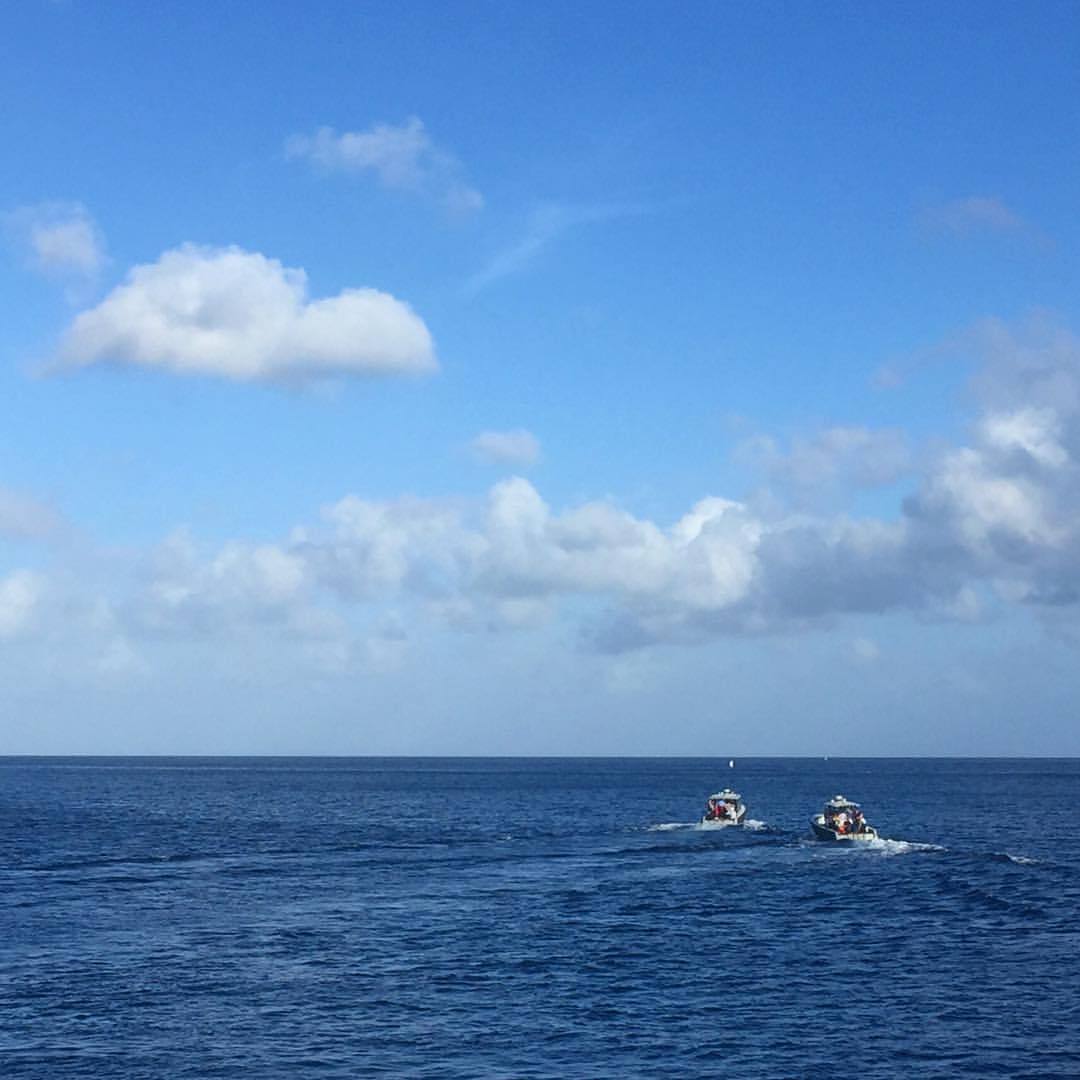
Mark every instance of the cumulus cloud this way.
pixel 367 549
pixel 997 517
pixel 990 523
pixel 63 628
pixel 984 503
pixel 517 447
pixel 1006 508
pixel 403 158
pixel 240 584
pixel 993 516
pixel 1035 432
pixel 239 315
pixel 59 239
pixel 503 564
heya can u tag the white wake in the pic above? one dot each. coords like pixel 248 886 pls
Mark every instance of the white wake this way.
pixel 885 846
pixel 1022 860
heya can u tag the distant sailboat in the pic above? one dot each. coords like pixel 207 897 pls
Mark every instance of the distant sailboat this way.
pixel 731 764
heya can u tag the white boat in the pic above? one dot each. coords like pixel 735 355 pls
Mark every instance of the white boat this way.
pixel 724 808
pixel 842 820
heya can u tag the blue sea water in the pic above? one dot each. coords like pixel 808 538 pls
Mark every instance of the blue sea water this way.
pixel 452 918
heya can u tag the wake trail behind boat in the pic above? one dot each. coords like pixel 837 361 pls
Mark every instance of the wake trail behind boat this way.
pixel 750 825
pixel 885 846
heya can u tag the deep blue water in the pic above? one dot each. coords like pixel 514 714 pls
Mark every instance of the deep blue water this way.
pixel 452 918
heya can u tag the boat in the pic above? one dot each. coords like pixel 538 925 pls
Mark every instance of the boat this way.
pixel 842 820
pixel 724 808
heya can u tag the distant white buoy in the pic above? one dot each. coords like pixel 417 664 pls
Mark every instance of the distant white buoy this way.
pixel 731 764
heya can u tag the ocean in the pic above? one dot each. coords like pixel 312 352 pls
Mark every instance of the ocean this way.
pixel 457 918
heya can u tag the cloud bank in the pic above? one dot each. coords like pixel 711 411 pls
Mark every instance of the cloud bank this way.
pixel 989 525
pixel 239 315
pixel 993 522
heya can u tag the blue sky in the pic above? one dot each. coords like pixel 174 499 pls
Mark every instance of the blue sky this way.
pixel 515 378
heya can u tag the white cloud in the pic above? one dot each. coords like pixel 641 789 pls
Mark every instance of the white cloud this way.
pixel 58 239
pixel 377 548
pixel 241 583
pixel 1036 432
pixel 981 502
pixel 517 447
pixel 518 551
pixel 240 315
pixel 596 548
pixel 1005 510
pixel 64 629
pixel 403 158
pixel 991 524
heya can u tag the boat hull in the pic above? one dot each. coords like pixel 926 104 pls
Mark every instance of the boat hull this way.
pixel 823 832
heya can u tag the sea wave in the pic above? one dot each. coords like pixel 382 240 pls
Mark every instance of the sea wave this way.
pixel 750 824
pixel 1019 860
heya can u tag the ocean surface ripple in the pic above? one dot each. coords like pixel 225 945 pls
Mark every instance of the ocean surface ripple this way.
pixel 459 918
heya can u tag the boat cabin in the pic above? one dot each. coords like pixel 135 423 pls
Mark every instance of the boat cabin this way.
pixel 844 816
pixel 723 806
